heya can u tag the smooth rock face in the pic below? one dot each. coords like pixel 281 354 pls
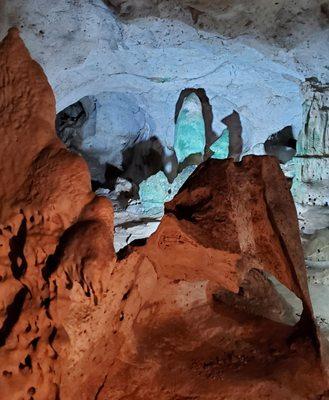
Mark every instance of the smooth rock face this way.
pixel 187 315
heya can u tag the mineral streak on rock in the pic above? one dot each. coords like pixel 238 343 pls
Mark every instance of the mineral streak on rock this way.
pixel 185 316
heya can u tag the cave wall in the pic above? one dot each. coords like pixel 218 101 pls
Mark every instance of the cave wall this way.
pixel 191 312
pixel 153 59
pixel 134 59
pixel 251 59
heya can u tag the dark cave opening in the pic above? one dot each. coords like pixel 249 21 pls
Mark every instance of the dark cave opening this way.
pixel 281 144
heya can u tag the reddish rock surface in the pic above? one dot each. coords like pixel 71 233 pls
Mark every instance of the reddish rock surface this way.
pixel 190 314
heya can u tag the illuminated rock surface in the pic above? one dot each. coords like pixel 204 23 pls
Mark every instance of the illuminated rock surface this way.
pixel 156 190
pixel 311 164
pixel 187 315
pixel 221 146
pixel 190 129
pixel 85 50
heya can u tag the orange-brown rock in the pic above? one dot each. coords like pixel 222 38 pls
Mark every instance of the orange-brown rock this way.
pixel 191 314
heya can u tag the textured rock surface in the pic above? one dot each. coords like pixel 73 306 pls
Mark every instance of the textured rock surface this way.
pixel 133 68
pixel 104 128
pixel 137 68
pixel 187 315
pixel 280 22
pixel 311 164
pixel 45 190
pixel 85 50
pixel 256 68
pixel 317 249
pixel 156 190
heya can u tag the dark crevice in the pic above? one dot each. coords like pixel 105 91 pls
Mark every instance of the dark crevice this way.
pixel 126 250
pixel 53 260
pixel 13 312
pixel 189 212
pixel 66 120
pixel 234 127
pixel 281 145
pixel 51 339
pixel 16 254
pixel 58 389
pixel 139 242
pixel 306 324
pixel 34 342
pixel 26 364
pixel 112 173
pixel 185 212
pixel 123 253
pixel 140 161
pixel 130 224
pixel 100 388
pixel 96 185
pixel 126 295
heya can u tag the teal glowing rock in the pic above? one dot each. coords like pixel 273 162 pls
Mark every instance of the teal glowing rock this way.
pixel 190 133
pixel 220 146
pixel 156 190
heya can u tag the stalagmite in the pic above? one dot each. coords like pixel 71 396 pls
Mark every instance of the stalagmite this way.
pixel 190 136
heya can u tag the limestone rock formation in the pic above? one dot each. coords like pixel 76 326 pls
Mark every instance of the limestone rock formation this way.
pixel 317 249
pixel 310 168
pixel 311 181
pixel 221 146
pixel 156 190
pixel 45 191
pixel 185 316
pixel 190 134
pixel 150 61
pixel 236 17
pixel 103 128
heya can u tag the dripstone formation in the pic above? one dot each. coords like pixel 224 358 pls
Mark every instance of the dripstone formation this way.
pixel 311 164
pixel 190 314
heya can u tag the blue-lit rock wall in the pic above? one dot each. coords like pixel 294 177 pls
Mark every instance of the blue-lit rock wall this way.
pixel 311 163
